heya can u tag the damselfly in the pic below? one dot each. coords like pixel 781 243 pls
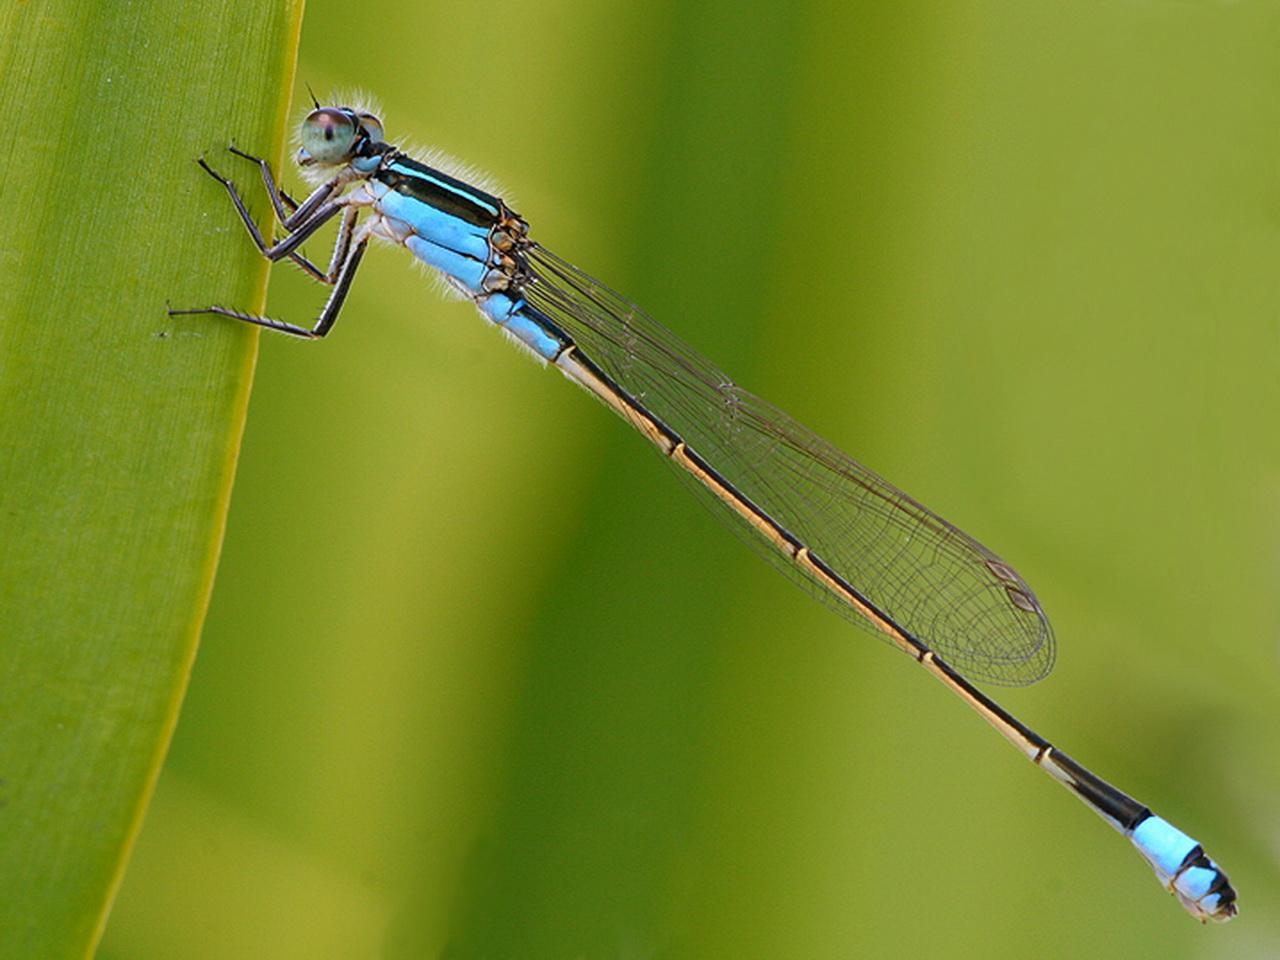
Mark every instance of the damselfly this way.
pixel 876 555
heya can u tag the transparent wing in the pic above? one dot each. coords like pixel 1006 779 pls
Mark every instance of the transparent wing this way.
pixel 932 579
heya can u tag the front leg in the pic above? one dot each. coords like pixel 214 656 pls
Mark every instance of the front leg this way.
pixel 333 306
pixel 318 207
pixel 284 204
pixel 295 212
pixel 348 251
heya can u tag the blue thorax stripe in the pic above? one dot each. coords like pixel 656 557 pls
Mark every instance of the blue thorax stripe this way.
pixel 441 191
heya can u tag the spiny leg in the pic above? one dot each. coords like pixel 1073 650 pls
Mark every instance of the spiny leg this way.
pixel 341 247
pixel 279 199
pixel 292 215
pixel 333 306
pixel 318 206
pixel 342 264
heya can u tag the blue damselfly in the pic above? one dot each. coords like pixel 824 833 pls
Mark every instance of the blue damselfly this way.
pixel 873 553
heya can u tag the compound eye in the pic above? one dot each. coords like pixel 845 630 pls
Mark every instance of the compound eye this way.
pixel 328 135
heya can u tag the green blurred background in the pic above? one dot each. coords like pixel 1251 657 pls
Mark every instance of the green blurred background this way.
pixel 481 680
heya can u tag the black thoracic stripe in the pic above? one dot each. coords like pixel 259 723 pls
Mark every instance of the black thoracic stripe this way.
pixel 427 184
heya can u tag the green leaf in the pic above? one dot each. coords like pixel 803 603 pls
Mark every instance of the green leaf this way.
pixel 119 426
